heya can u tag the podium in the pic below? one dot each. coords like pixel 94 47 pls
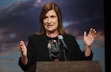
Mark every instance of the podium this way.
pixel 66 66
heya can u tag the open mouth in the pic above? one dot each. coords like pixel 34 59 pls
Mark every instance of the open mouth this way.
pixel 49 25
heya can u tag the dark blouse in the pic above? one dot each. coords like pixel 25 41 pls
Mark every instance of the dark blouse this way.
pixel 37 50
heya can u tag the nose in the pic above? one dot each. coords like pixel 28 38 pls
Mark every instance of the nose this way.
pixel 49 20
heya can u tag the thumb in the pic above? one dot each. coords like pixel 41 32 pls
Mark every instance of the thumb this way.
pixel 85 34
pixel 22 43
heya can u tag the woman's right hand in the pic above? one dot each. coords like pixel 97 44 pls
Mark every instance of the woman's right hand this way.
pixel 23 49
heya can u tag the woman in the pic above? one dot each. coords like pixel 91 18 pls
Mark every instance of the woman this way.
pixel 52 43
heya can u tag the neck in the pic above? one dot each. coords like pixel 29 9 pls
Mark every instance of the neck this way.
pixel 52 34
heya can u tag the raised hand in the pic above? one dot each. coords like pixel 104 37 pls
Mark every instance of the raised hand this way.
pixel 89 39
pixel 23 48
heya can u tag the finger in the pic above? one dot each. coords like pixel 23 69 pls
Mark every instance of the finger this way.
pixel 21 43
pixel 90 31
pixel 93 33
pixel 85 34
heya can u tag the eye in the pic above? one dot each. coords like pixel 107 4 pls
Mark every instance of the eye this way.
pixel 53 16
pixel 45 17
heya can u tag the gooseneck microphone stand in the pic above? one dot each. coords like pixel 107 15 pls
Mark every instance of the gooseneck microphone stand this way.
pixel 65 55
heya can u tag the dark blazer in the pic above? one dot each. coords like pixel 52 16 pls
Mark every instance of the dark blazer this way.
pixel 38 51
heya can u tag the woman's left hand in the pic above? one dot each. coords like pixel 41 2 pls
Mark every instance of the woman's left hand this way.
pixel 89 39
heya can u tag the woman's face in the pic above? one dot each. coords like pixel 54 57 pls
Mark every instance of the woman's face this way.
pixel 50 21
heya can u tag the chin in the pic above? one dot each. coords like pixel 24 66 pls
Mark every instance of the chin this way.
pixel 51 30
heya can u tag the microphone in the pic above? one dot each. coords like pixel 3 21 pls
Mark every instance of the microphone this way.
pixel 60 37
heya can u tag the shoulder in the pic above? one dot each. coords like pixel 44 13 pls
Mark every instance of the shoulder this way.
pixel 70 39
pixel 69 36
pixel 35 36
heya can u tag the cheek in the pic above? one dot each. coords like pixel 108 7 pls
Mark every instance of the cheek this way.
pixel 44 21
pixel 45 26
pixel 57 26
pixel 57 23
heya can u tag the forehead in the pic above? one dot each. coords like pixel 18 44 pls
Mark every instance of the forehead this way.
pixel 51 12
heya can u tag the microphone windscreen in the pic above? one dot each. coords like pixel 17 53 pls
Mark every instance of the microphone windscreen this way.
pixel 60 37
